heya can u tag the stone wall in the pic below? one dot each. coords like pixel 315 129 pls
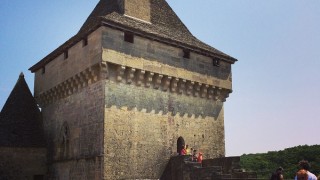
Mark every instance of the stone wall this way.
pixel 60 69
pixel 116 109
pixel 142 127
pixel 81 169
pixel 71 96
pixel 164 59
pixel 74 131
pixel 153 96
pixel 22 163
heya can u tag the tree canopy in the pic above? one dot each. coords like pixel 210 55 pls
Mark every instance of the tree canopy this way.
pixel 266 163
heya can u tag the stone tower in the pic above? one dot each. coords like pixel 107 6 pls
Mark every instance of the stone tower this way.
pixel 130 87
pixel 22 143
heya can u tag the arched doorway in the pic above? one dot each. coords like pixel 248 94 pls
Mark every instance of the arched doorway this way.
pixel 180 144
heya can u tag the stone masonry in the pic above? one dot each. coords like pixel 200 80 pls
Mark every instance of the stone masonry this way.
pixel 115 99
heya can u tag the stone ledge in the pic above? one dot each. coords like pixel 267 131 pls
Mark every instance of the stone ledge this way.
pixel 122 59
pixel 73 84
pixel 134 76
pixel 163 82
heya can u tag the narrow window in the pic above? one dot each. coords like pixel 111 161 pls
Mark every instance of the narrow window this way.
pixel 66 54
pixel 216 62
pixel 186 53
pixel 64 144
pixel 128 37
pixel 43 70
pixel 84 42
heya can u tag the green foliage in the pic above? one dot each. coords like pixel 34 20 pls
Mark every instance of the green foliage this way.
pixel 266 163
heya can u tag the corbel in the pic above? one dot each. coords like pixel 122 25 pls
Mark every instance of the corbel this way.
pixel 197 89
pixel 190 85
pixel 181 85
pixel 120 73
pixel 104 73
pixel 217 94
pixel 204 90
pixel 140 77
pixel 166 82
pixel 149 76
pixel 211 92
pixel 174 84
pixel 130 75
pixel 157 80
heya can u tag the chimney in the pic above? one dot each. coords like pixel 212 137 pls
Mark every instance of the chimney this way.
pixel 138 9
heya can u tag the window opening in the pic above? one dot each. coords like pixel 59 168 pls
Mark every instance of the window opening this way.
pixel 186 54
pixel 84 42
pixel 66 54
pixel 128 37
pixel 216 62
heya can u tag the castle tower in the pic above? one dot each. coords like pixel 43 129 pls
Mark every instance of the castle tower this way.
pixel 120 96
pixel 22 144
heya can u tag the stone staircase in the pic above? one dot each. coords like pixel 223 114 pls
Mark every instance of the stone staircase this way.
pixel 182 168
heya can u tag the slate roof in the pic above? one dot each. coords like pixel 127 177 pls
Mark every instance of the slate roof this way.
pixel 20 119
pixel 165 27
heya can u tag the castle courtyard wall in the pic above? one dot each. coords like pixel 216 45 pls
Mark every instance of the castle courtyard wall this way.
pixel 22 163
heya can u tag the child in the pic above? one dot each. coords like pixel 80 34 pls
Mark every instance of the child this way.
pixel 194 156
pixel 183 150
pixel 200 157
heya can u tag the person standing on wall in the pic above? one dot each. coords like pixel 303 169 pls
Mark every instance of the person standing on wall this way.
pixel 200 157
pixel 188 152
pixel 183 150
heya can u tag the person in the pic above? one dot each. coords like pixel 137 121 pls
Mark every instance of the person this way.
pixel 319 177
pixel 277 175
pixel 306 166
pixel 188 150
pixel 194 156
pixel 200 157
pixel 183 150
pixel 302 175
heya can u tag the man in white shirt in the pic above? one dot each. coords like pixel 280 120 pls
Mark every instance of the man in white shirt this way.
pixel 306 166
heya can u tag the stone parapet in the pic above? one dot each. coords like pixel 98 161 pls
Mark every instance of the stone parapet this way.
pixel 111 56
pixel 168 82
pixel 73 84
pixel 164 82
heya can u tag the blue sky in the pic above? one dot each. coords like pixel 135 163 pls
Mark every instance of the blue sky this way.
pixel 276 82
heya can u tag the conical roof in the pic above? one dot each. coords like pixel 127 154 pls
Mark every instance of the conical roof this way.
pixel 20 119
pixel 164 26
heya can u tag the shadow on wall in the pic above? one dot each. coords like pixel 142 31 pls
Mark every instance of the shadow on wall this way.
pixel 162 103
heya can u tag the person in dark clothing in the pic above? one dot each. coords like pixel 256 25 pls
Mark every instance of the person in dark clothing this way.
pixel 277 175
